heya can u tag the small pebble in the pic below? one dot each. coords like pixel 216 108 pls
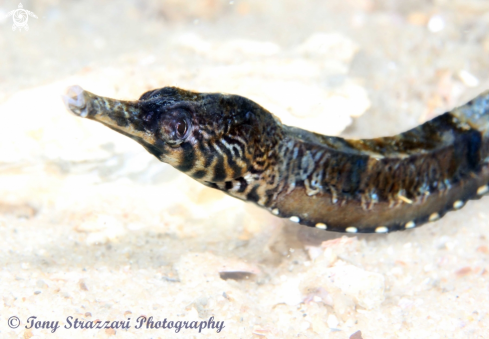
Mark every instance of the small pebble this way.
pixel 436 24
pixel 332 321
pixel 110 331
pixel 468 79
pixel 463 271
pixel 356 335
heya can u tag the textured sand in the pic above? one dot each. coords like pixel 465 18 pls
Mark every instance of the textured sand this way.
pixel 93 227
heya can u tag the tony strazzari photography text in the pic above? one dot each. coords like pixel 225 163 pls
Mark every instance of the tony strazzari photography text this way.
pixel 142 322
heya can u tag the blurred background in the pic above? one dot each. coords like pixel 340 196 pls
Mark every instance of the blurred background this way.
pixel 91 225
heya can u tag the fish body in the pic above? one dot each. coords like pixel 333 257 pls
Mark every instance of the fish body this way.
pixel 380 185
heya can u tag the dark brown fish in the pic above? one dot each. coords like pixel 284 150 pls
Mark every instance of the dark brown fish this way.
pixel 379 185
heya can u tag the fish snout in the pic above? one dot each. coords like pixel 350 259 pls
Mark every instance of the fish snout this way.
pixel 75 101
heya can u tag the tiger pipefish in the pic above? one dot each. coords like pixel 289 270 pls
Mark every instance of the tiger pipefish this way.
pixel 232 144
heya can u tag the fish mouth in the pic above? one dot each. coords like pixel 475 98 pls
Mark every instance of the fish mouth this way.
pixel 75 101
pixel 125 117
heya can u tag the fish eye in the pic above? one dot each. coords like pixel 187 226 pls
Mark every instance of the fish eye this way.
pixel 181 127
pixel 175 126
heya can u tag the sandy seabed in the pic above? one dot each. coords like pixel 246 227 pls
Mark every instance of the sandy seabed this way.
pixel 94 228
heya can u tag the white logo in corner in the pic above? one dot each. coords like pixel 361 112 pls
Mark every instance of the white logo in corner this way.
pixel 20 17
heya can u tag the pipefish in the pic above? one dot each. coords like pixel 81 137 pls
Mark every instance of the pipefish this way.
pixel 232 144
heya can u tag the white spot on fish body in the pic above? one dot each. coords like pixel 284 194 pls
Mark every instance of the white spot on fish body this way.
pixel 381 229
pixel 458 204
pixel 434 217
pixel 321 226
pixel 351 229
pixel 294 219
pixel 275 211
pixel 410 224
pixel 483 190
